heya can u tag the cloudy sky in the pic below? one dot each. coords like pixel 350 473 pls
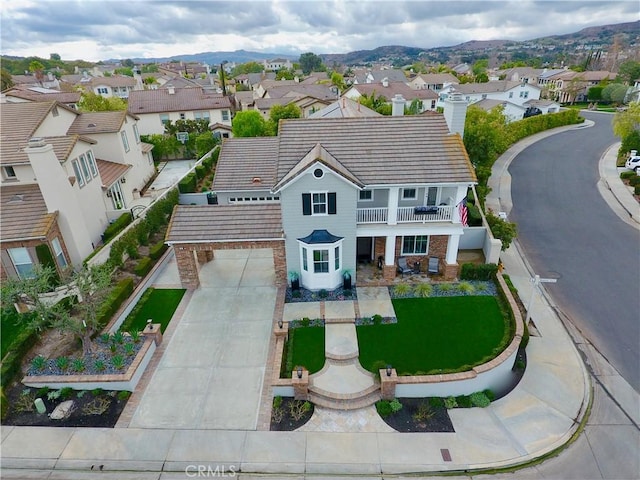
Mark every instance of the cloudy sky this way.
pixel 102 29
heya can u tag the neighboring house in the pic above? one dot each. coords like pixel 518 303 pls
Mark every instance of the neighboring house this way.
pixel 309 98
pixel 47 81
pixel 519 74
pixel 510 110
pixel 428 98
pixel 545 106
pixel 378 76
pixel 505 91
pixel 114 86
pixel 39 94
pixel 432 81
pixel 326 193
pixel 633 94
pixel 55 184
pixel 345 108
pixel 277 64
pixel 154 108
pixel 569 86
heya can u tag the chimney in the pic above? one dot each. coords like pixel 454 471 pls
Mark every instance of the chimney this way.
pixel 61 196
pixel 455 111
pixel 397 107
pixel 171 89
pixel 385 82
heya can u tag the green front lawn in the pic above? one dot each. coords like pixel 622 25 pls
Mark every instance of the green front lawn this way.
pixel 442 333
pixel 305 348
pixel 158 304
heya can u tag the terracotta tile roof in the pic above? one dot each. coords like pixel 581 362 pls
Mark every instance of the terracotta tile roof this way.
pixel 29 93
pixel 259 158
pixel 113 81
pixel 24 213
pixel 12 150
pixel 393 89
pixel 20 120
pixel 344 108
pixel 184 99
pixel 111 172
pixel 98 122
pixel 438 78
pixel 220 223
pixel 321 92
pixel 146 147
pixel 488 87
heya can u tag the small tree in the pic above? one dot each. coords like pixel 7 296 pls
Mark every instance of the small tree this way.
pixel 501 229
pixel 279 112
pixel 249 124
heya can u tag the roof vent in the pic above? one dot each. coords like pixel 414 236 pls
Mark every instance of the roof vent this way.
pixel 256 180
pixel 91 125
pixel 36 142
pixel 17 198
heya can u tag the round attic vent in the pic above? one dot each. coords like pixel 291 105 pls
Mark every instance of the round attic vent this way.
pixel 318 173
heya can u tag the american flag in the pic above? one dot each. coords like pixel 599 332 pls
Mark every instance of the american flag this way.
pixel 463 212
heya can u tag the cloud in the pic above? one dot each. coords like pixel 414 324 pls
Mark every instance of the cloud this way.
pixel 93 29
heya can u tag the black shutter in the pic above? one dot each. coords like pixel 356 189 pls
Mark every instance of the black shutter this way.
pixel 306 204
pixel 331 200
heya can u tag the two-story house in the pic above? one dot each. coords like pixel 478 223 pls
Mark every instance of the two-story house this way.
pixel 119 86
pixel 427 98
pixel 58 181
pixel 516 93
pixel 432 81
pixel 154 108
pixel 327 193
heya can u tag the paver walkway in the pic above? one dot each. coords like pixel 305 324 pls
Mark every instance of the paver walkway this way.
pixel 211 373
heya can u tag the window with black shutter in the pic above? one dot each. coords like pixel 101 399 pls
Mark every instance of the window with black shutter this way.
pixel 331 197
pixel 306 204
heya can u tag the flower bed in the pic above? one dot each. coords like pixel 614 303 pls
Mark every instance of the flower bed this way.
pixel 453 289
pixel 304 295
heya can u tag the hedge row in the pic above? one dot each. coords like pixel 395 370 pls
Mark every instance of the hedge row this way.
pixel 144 266
pixel 116 227
pixel 122 291
pixel 539 123
pixel 188 183
pixel 19 348
pixel 156 251
pixel 484 271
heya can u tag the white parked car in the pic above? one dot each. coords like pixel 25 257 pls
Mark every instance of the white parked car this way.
pixel 633 162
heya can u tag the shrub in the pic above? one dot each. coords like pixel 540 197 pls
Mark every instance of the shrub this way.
pixel 78 365
pixel 479 399
pixel 99 365
pixel 97 392
pixel 525 336
pixel 117 361
pixel 277 401
pixel 423 413
pixel 129 348
pixel 116 227
pixel 135 335
pixel 122 291
pixel 633 181
pixel 19 348
pixel 323 293
pixel 436 402
pixel 4 405
pixel 43 252
pixel 298 408
pixel 188 183
pixel 377 366
pixel 636 190
pixel 142 233
pixel 201 172
pixel 485 271
pixel 490 395
pixel 305 322
pixel 123 395
pixel 38 363
pixel 502 229
pixel 445 287
pixel 143 267
pixel 156 250
pixel 401 289
pixel 466 287
pixel 383 407
pixel 66 392
pixel 395 405
pixel 117 337
pixel 464 401
pixel 42 392
pixel 377 319
pixel 627 174
pixel 423 290
pixel 450 402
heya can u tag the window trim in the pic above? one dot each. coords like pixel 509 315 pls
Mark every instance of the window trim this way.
pixel 164 118
pixel 84 167
pixel 125 141
pixel 93 167
pixel 9 172
pixel 76 169
pixel 324 203
pixel 370 199
pixel 20 274
pixel 58 252
pixel 136 133
pixel 415 242
pixel 405 190
pixel 321 261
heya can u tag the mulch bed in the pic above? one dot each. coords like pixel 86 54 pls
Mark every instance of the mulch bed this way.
pixel 407 419
pixel 287 422
pixel 80 417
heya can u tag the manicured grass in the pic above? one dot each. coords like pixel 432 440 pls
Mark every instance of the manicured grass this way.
pixel 443 333
pixel 157 304
pixel 307 348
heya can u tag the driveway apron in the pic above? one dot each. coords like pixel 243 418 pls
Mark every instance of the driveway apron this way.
pixel 211 374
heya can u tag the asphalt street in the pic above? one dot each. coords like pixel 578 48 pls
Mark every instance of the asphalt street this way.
pixel 568 232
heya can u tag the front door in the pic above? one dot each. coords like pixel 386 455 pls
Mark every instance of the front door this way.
pixel 364 249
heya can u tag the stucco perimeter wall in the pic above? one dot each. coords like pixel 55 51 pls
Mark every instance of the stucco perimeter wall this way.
pixel 494 375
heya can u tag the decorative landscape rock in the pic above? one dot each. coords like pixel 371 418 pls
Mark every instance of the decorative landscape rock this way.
pixel 63 410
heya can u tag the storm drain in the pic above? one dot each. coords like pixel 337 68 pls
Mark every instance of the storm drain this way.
pixel 446 456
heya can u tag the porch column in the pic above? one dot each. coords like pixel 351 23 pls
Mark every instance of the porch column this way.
pixel 392 206
pixel 389 270
pixel 452 248
pixel 187 266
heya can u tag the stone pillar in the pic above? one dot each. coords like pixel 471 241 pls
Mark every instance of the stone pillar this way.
pixel 208 254
pixel 388 384
pixel 152 330
pixel 281 331
pixel 187 267
pixel 201 255
pixel 300 385
pixel 450 271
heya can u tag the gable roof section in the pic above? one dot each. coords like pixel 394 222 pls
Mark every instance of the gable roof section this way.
pixel 21 120
pixel 242 160
pixel 12 150
pixel 183 99
pixel 489 87
pixel 393 89
pixel 380 150
pixel 33 94
pixel 24 213
pixel 317 154
pixel 97 122
pixel 224 223
pixel 344 108
pixel 111 172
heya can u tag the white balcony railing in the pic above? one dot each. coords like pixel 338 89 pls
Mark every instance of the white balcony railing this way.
pixel 405 215
pixel 372 215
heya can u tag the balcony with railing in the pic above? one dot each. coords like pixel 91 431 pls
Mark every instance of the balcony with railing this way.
pixel 443 213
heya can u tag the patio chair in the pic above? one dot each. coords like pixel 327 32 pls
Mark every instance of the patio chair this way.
pixel 403 267
pixel 434 265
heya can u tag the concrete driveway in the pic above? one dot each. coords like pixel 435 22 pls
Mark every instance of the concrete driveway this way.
pixel 211 374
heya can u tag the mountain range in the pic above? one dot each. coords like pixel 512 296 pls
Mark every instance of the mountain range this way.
pixel 600 37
